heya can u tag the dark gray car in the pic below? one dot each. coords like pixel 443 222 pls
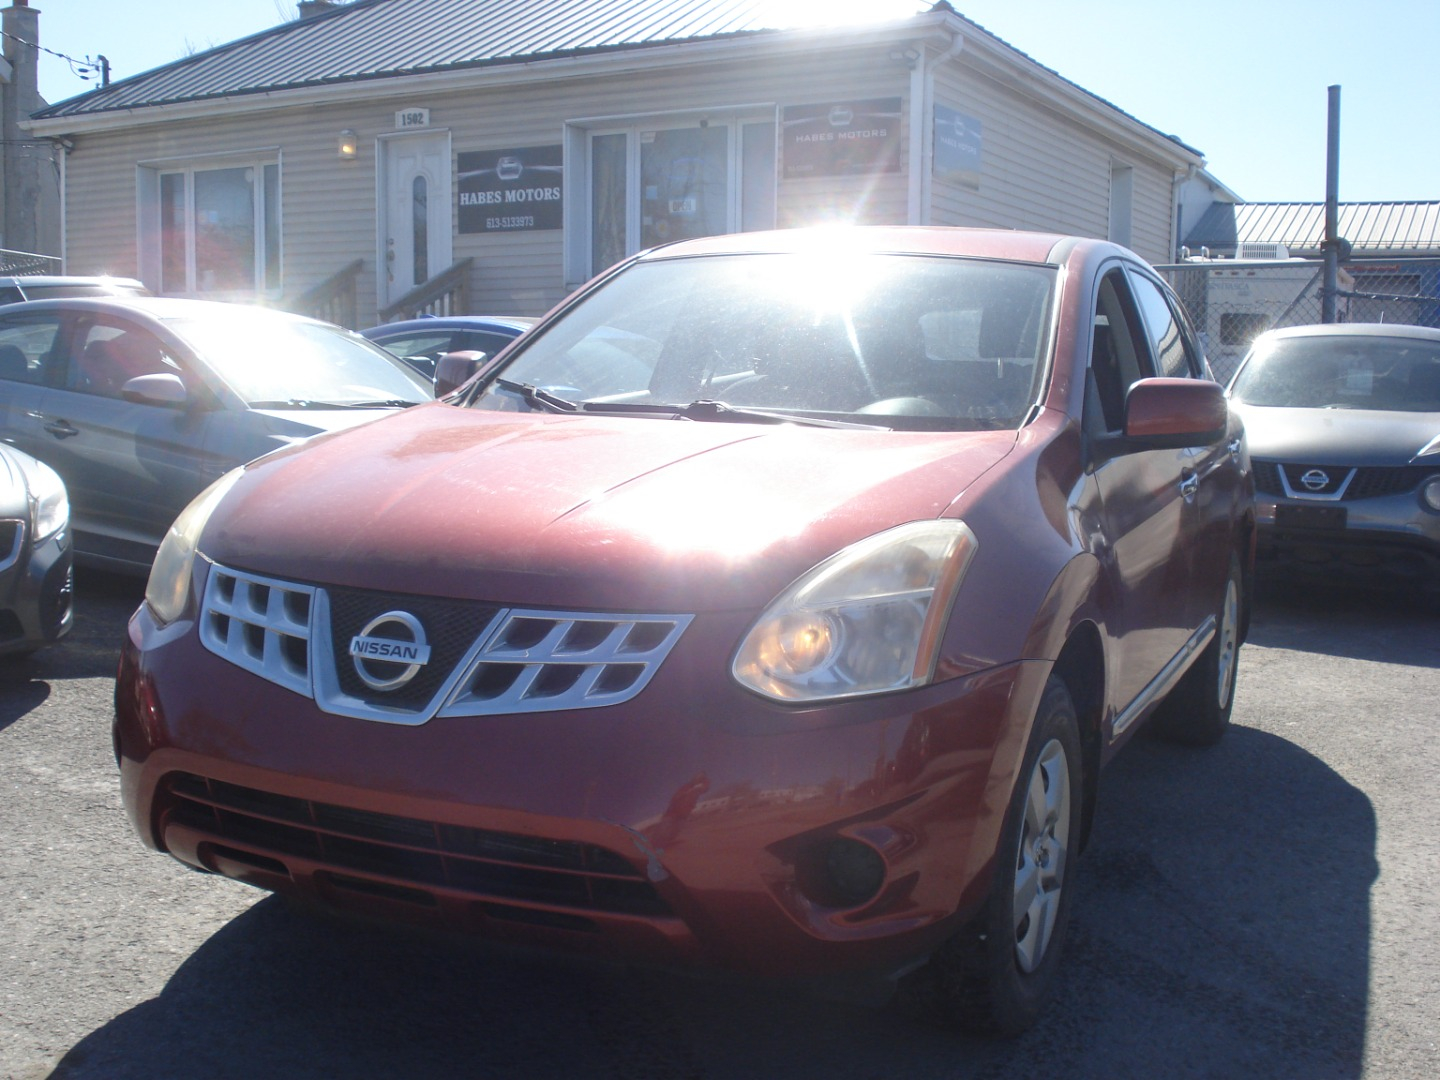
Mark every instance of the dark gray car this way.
pixel 1344 429
pixel 35 557
pixel 140 403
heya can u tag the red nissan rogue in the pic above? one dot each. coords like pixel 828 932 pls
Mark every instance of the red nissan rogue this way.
pixel 773 605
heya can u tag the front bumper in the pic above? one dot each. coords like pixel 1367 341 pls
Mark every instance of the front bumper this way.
pixel 36 593
pixel 682 828
pixel 1393 532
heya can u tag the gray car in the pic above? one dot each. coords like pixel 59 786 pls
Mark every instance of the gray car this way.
pixel 1344 430
pixel 19 287
pixel 35 556
pixel 140 403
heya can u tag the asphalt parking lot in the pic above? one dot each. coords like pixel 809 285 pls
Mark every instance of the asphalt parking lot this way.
pixel 1263 909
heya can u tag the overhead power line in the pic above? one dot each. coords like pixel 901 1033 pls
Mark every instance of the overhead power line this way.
pixel 88 69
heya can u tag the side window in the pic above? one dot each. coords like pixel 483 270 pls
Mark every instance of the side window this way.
pixel 428 345
pixel 106 356
pixel 26 347
pixel 1119 354
pixel 1172 351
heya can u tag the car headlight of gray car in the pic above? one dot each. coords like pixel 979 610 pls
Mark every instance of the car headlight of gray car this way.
pixel 49 504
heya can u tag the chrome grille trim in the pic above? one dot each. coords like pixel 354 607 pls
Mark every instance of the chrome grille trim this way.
pixel 546 661
pixel 331 697
pixel 261 624
pixel 521 660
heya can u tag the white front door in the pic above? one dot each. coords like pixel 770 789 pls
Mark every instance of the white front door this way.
pixel 415 225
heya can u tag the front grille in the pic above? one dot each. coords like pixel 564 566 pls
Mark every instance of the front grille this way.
pixel 259 624
pixel 1367 482
pixel 462 658
pixel 451 627
pixel 477 863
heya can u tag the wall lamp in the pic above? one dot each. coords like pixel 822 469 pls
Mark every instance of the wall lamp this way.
pixel 907 56
pixel 349 145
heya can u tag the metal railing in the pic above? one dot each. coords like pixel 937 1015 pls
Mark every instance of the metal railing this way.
pixel 444 294
pixel 27 262
pixel 332 300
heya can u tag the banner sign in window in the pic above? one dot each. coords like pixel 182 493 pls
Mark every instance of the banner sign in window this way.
pixel 957 148
pixel 845 138
pixel 510 190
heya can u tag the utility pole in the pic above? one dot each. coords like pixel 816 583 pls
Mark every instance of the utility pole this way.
pixel 1332 242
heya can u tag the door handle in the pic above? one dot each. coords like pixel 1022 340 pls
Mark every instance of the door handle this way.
pixel 1189 485
pixel 1234 447
pixel 62 429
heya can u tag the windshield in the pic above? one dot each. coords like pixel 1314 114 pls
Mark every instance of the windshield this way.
pixel 916 342
pixel 1342 372
pixel 278 363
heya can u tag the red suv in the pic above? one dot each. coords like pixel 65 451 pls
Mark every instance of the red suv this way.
pixel 772 605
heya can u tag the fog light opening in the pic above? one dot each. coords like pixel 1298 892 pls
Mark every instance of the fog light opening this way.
pixel 854 873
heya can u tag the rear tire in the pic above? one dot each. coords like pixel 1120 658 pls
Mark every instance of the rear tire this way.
pixel 1197 712
pixel 994 976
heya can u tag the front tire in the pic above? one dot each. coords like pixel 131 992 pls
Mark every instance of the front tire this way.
pixel 995 975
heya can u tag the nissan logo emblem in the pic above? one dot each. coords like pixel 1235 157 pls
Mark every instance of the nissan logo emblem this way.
pixel 1316 480
pixel 390 650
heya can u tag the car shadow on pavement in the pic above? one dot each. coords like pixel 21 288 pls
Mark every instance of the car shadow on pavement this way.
pixel 20 693
pixel 1221 928
pixel 1378 617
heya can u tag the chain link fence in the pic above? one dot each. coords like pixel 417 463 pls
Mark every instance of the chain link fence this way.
pixel 1232 301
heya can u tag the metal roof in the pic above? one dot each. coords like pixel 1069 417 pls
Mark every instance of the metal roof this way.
pixel 368 39
pixel 1373 228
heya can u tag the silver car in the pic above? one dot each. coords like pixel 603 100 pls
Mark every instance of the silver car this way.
pixel 140 403
pixel 35 558
pixel 1344 429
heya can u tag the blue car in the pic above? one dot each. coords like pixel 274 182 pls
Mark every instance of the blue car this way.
pixel 421 342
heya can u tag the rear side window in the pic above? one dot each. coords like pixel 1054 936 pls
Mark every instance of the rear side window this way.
pixel 26 348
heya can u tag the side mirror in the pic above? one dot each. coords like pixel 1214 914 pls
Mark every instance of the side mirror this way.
pixel 1164 413
pixel 160 389
pixel 454 369
pixel 1168 414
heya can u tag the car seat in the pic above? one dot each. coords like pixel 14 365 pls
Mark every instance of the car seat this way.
pixel 13 365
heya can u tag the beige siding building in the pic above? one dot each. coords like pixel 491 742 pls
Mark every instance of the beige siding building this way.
pixel 525 150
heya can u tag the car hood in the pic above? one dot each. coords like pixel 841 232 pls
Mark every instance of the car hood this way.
pixel 604 512
pixel 1337 436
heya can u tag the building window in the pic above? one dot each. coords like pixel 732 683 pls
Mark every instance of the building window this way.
pixel 420 226
pixel 216 228
pixel 663 179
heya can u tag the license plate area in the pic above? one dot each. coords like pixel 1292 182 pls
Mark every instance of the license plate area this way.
pixel 1310 517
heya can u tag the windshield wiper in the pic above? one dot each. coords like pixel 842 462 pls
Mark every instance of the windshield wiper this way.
pixel 312 403
pixel 540 399
pixel 720 412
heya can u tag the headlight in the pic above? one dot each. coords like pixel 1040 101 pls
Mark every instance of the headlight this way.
pixel 865 621
pixel 49 505
pixel 168 591
pixel 1430 493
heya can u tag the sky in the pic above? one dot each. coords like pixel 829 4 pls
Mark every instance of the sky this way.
pixel 1242 81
